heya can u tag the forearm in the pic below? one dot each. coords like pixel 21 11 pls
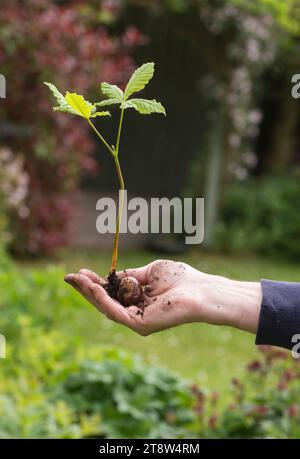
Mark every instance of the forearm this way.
pixel 269 309
pixel 234 303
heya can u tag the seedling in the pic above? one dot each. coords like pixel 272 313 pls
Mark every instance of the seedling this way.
pixel 127 291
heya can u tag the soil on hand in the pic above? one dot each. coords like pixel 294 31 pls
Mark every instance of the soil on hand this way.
pixel 128 291
pixel 112 285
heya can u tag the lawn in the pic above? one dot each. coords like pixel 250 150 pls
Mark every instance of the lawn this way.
pixel 202 353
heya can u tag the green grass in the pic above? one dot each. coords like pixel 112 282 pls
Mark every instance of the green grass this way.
pixel 205 354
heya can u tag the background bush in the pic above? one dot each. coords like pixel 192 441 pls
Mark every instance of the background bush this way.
pixel 266 402
pixel 70 44
pixel 261 215
pixel 55 385
pixel 50 390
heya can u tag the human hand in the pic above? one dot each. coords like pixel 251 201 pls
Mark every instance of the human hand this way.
pixel 174 294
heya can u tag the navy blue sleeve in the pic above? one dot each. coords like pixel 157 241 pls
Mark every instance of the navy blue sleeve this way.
pixel 279 317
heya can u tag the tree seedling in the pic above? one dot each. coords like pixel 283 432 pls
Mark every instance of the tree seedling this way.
pixel 128 291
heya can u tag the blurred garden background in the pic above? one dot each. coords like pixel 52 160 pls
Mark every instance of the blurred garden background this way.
pixel 231 135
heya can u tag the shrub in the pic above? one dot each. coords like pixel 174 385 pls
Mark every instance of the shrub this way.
pixel 53 385
pixel 262 215
pixel 135 400
pixel 266 403
pixel 56 150
pixel 35 364
pixel 13 191
pixel 49 390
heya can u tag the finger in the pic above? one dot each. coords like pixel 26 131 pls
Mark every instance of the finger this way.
pixel 69 280
pixel 83 282
pixel 111 308
pixel 99 298
pixel 93 276
pixel 140 274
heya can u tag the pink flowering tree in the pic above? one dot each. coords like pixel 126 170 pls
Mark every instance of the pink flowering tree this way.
pixel 69 43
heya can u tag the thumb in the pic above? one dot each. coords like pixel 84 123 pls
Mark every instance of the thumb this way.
pixel 140 274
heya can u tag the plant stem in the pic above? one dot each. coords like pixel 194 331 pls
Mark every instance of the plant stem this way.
pixel 101 138
pixel 115 153
pixel 119 216
pixel 114 260
pixel 119 131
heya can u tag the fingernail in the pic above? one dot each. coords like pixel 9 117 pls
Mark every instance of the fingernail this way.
pixel 68 278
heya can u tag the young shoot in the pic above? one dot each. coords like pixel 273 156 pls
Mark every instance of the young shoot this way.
pixel 76 104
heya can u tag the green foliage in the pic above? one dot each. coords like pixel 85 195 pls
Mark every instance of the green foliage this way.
pixel 14 182
pixel 111 91
pixel 139 79
pixel 74 104
pixel 135 401
pixel 49 390
pixel 58 382
pixel 106 102
pixel 79 105
pixel 62 103
pixel 54 385
pixel 286 14
pixel 3 226
pixel 144 106
pixel 265 403
pixel 259 215
pixel 36 363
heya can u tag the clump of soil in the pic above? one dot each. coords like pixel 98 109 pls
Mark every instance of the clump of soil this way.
pixel 112 285
pixel 128 291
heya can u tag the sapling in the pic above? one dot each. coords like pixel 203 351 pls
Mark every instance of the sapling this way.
pixel 128 290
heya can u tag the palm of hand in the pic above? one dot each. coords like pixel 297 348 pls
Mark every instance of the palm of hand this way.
pixel 169 296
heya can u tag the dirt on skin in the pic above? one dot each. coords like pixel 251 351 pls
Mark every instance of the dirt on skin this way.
pixel 128 293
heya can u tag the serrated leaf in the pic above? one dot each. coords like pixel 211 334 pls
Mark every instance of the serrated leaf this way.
pixel 81 106
pixel 144 106
pixel 139 79
pixel 112 91
pixel 93 115
pixel 106 102
pixel 62 104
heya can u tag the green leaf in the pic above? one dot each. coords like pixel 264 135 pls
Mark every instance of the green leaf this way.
pixel 144 106
pixel 81 106
pixel 100 114
pixel 139 79
pixel 74 103
pixel 112 91
pixel 62 104
pixel 106 102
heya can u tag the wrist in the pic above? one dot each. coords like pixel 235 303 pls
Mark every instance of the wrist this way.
pixel 234 303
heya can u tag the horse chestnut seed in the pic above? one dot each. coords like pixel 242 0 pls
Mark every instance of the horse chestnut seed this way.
pixel 130 291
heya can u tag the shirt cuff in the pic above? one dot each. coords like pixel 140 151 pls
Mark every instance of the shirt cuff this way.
pixel 279 318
